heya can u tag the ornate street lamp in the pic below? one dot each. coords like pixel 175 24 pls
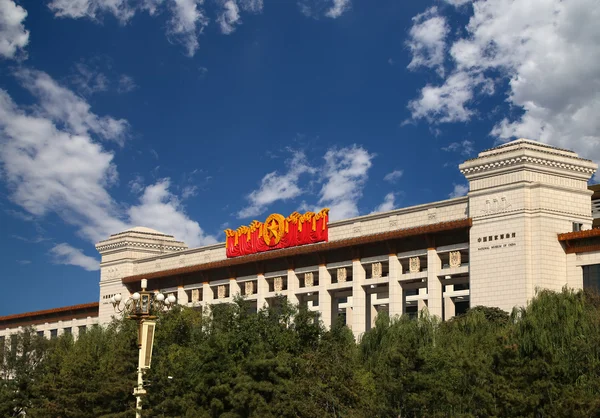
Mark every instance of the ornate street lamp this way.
pixel 142 307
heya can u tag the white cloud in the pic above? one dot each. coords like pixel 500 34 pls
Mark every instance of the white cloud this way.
pixel 448 102
pixel 328 8
pixel 126 84
pixel 189 191
pixel 345 173
pixel 459 190
pixel 187 23
pixel 338 8
pixel 458 2
pixel 427 40
pixel 13 35
pixel 254 6
pixel 66 254
pixel 68 110
pixel 389 203
pixel 161 210
pixel 229 17
pixel 547 51
pixel 393 176
pixel 93 9
pixel 464 147
pixel 275 186
pixel 89 80
pixel 137 184
pixel 49 169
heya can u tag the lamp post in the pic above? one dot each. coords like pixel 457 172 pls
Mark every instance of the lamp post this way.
pixel 142 307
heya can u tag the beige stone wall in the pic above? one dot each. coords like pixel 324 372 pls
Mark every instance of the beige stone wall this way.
pixel 535 192
pixel 46 327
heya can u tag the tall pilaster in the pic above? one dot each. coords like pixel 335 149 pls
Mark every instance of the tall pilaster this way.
pixel 262 288
pixel 449 308
pixel 207 296
pixel 182 297
pixel 359 317
pixel 292 287
pixel 434 286
pixel 396 306
pixel 324 296
pixel 234 288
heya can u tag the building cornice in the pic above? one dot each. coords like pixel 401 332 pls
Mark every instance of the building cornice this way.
pixel 305 249
pixel 467 169
pixel 74 309
pixel 137 244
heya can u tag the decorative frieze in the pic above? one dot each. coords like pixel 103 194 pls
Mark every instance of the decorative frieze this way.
pixel 342 275
pixel 278 284
pixel 414 264
pixel 455 259
pixel 376 270
pixel 221 291
pixel 249 288
pixel 309 279
pixel 195 295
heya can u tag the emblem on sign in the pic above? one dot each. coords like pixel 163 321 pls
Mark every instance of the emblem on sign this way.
pixel 273 229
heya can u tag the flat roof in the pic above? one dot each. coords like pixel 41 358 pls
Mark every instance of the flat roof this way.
pixel 66 312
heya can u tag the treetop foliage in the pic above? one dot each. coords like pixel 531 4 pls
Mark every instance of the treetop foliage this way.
pixel 542 360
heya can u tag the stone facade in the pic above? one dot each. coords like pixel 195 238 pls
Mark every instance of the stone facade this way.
pixel 501 246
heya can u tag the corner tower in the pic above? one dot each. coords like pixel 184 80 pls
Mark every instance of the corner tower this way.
pixel 118 255
pixel 521 195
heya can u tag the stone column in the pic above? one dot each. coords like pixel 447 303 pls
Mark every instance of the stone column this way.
pixel 358 299
pixel 395 289
pixel 422 304
pixel 234 288
pixel 292 287
pixel 75 328
pixel 262 288
pixel 60 327
pixel 434 286
pixel 207 296
pixel 182 297
pixel 372 310
pixel 324 296
pixel 449 310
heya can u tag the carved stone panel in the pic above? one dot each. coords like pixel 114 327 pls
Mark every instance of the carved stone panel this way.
pixel 249 288
pixel 414 264
pixel 195 295
pixel 309 279
pixel 455 259
pixel 376 270
pixel 278 284
pixel 221 291
pixel 342 274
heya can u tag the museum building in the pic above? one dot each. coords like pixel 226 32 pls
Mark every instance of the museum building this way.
pixel 527 223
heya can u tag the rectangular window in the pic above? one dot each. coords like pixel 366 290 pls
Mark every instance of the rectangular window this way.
pixel 40 333
pixel 53 333
pixel 67 330
pixel 591 277
pixel 82 329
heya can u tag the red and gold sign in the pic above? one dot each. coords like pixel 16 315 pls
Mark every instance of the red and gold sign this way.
pixel 277 232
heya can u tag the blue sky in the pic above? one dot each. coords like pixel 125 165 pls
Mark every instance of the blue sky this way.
pixel 190 116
